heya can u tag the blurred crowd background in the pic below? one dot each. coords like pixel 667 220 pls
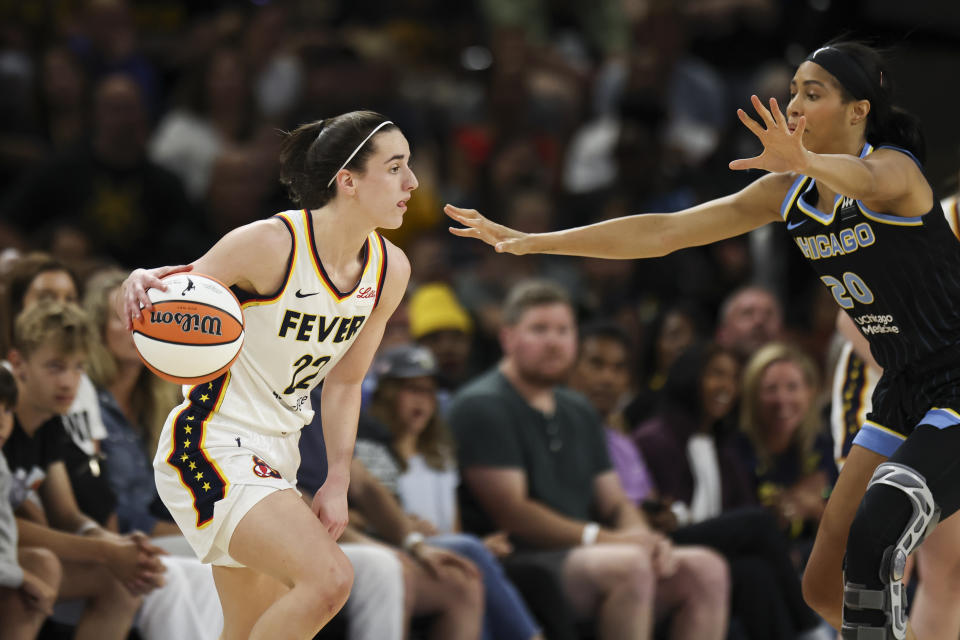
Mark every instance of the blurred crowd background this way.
pixel 140 132
pixel 137 133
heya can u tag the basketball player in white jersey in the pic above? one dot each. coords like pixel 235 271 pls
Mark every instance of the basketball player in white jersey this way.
pixel 317 286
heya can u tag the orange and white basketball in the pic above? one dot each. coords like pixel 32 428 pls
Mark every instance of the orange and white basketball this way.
pixel 194 331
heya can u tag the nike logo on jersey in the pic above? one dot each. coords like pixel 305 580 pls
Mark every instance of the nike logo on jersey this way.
pixel 305 295
pixel 793 225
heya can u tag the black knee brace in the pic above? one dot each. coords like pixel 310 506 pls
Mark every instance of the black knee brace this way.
pixel 874 610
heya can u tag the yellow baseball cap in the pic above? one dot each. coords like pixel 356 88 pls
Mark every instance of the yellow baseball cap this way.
pixel 434 307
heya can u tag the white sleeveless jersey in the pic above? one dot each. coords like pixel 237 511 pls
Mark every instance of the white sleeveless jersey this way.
pixel 295 336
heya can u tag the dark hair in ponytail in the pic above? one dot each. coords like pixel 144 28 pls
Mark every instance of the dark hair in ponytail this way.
pixel 886 122
pixel 313 153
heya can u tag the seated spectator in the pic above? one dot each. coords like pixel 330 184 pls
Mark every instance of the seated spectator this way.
pixel 38 276
pixel 421 450
pixel 439 322
pixel 29 576
pixel 535 464
pixel 786 446
pixel 106 191
pixel 214 112
pixel 134 403
pixel 699 492
pixel 439 584
pixel 436 582
pixel 188 590
pixel 108 571
pixel 695 463
pixel 750 317
pixel 668 334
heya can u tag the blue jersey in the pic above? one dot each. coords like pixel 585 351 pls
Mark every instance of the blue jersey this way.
pixel 897 277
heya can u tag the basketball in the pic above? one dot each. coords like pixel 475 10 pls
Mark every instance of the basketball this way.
pixel 194 331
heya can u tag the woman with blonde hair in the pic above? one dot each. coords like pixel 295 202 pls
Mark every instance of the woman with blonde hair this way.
pixel 133 403
pixel 786 445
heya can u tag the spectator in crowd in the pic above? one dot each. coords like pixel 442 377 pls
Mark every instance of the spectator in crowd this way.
pixel 134 403
pixel 535 464
pixel 750 317
pixel 670 332
pixel 439 322
pixel 436 582
pixel 215 112
pixel 108 571
pixel 64 99
pixel 106 41
pixel 787 447
pixel 424 468
pixel 33 278
pixel 107 191
pixel 603 375
pixel 188 589
pixel 29 576
pixel 696 467
pixel 694 461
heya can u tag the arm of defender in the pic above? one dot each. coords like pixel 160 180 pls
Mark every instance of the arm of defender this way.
pixel 640 236
pixel 886 180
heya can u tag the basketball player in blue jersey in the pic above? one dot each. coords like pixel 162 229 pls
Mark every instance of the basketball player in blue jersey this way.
pixel 844 177
pixel 317 286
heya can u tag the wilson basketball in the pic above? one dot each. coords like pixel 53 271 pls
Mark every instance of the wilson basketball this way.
pixel 194 331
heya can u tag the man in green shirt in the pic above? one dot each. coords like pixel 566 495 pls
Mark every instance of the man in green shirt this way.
pixel 534 463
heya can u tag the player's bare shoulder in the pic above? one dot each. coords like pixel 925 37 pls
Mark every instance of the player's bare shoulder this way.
pixel 398 274
pixel 254 256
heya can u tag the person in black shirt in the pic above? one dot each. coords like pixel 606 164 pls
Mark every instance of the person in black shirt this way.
pixel 106 570
pixel 845 176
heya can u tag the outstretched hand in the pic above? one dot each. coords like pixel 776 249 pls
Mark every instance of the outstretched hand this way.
pixel 783 149
pixel 503 239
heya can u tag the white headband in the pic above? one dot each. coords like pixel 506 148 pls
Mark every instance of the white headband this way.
pixel 359 146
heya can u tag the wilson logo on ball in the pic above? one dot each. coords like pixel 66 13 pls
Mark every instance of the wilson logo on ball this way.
pixel 189 322
pixel 193 332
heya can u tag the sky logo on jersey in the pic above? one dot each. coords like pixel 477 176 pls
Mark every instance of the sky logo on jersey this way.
pixel 836 244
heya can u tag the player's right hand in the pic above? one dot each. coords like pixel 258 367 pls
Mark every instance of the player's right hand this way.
pixel 503 239
pixel 133 292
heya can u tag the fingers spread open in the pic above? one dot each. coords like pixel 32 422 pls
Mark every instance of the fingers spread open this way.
pixel 751 124
pixel 777 114
pixel 762 110
pixel 744 163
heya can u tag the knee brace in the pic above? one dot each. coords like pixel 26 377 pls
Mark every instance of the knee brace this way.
pixel 888 603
